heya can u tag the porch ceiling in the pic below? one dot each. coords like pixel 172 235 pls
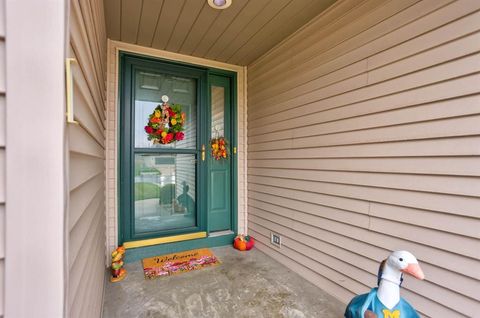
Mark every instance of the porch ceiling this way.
pixel 237 35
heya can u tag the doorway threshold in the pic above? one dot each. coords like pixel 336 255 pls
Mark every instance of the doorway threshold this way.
pixel 136 254
pixel 220 233
pixel 164 240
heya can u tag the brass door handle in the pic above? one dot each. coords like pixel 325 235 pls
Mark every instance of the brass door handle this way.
pixel 69 90
pixel 203 152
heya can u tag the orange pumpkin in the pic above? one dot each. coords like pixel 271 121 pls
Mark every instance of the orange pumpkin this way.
pixel 243 243
pixel 239 244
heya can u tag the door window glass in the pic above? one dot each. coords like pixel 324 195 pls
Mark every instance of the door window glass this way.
pixel 149 89
pixel 164 191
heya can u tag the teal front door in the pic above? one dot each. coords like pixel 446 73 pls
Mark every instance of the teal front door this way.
pixel 174 189
pixel 219 171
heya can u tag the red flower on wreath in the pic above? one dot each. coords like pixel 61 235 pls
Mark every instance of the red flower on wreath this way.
pixel 179 136
pixel 155 120
pixel 148 129
pixel 168 138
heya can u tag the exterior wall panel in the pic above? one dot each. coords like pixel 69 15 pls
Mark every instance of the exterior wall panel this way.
pixel 363 138
pixel 86 145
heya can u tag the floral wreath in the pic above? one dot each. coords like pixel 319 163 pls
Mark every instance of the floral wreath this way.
pixel 219 148
pixel 165 124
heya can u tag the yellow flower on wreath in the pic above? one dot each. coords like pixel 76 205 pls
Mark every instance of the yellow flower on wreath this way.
pixel 158 113
pixel 173 121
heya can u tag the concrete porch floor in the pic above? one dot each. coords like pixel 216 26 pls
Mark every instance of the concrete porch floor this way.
pixel 246 284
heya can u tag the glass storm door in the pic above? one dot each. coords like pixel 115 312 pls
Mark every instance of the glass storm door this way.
pixel 161 187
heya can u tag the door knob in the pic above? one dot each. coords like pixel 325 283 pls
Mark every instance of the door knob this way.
pixel 203 152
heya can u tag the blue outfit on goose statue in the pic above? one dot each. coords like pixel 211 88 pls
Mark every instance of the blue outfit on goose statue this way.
pixel 371 302
pixel 385 301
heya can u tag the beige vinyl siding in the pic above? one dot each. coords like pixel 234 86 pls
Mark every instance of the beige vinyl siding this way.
pixel 363 137
pixel 86 141
pixel 2 155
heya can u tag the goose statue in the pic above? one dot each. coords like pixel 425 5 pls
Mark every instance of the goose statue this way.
pixel 385 301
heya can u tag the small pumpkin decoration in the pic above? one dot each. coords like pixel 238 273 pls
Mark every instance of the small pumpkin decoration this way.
pixel 243 242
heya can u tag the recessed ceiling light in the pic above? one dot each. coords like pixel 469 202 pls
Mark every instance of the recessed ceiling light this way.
pixel 220 4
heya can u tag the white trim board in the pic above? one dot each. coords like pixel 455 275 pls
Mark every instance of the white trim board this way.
pixel 36 176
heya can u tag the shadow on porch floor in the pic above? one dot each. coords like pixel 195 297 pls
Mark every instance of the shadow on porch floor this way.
pixel 246 284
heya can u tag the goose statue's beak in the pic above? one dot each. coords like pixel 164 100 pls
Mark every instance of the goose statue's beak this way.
pixel 414 270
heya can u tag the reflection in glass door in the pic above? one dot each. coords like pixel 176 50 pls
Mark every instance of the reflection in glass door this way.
pixel 160 193
pixel 164 191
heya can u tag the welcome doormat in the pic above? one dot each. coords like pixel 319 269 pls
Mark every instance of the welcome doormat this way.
pixel 177 263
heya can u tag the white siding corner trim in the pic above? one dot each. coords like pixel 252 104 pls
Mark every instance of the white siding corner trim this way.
pixel 3 150
pixel 35 276
pixel 114 47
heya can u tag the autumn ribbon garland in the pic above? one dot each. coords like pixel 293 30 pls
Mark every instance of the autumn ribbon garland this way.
pixel 165 124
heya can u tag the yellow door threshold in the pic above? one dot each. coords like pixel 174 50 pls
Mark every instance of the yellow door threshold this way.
pixel 163 240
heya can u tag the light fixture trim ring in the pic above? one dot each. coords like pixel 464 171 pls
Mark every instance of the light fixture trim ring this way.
pixel 212 4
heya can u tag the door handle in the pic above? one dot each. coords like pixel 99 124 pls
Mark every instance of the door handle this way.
pixel 69 91
pixel 203 152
